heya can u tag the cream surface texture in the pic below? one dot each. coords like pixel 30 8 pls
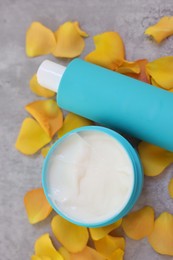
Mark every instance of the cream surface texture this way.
pixel 90 177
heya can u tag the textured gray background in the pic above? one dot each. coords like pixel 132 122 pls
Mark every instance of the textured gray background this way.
pixel 19 173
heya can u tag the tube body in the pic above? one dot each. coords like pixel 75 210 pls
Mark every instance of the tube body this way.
pixel 118 102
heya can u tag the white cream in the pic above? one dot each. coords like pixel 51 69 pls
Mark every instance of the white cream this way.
pixel 90 177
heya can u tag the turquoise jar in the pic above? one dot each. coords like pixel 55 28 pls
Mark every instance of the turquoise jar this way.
pixel 137 176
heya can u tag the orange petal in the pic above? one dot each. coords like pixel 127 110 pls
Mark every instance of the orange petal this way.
pixel 161 71
pixel 139 224
pixel 109 52
pixel 48 114
pixel 69 41
pixel 74 238
pixel 45 150
pixel 31 137
pixel 39 40
pixel 45 248
pixel 87 253
pixel 143 75
pixel 161 239
pixel 107 245
pixel 98 233
pixel 129 67
pixel 71 122
pixel 38 89
pixel 162 29
pixel 154 159
pixel 79 30
pixel 36 205
pixel 118 254
pixel 170 188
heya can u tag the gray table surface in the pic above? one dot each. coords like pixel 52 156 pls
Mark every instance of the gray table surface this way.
pixel 19 173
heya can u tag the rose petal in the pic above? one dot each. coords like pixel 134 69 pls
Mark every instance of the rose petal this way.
pixel 39 40
pixel 161 71
pixel 118 254
pixel 48 115
pixel 170 188
pixel 154 83
pixel 73 121
pixel 31 137
pixel 154 159
pixel 65 254
pixel 69 41
pixel 162 29
pixel 45 150
pixel 107 245
pixel 87 253
pixel 44 247
pixel 36 205
pixel 109 52
pixel 161 239
pixel 139 224
pixel 129 67
pixel 74 238
pixel 79 30
pixel 34 257
pixel 98 233
pixel 142 75
pixel 38 89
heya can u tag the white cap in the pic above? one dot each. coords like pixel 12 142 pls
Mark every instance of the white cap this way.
pixel 49 74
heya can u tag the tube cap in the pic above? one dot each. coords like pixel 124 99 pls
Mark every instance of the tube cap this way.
pixel 49 75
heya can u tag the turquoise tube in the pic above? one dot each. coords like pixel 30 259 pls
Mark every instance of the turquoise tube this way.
pixel 118 102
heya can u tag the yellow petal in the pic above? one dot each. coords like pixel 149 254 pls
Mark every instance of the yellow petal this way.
pixel 34 257
pixel 161 239
pixel 154 83
pixel 31 137
pixel 118 254
pixel 48 115
pixel 38 89
pixel 74 238
pixel 154 159
pixel 39 40
pixel 109 52
pixel 129 67
pixel 73 121
pixel 170 188
pixel 143 74
pixel 98 233
pixel 87 253
pixel 36 205
pixel 79 30
pixel 69 41
pixel 162 29
pixel 139 224
pixel 65 254
pixel 45 248
pixel 161 71
pixel 107 245
pixel 45 150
